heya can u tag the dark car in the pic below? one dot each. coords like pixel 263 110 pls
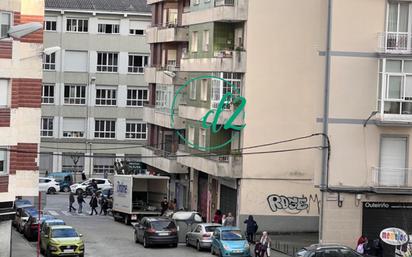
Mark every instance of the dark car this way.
pixel 327 250
pixel 31 227
pixel 156 231
pixel 22 216
pixel 18 204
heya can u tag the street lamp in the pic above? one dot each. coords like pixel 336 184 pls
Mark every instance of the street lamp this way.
pixel 22 30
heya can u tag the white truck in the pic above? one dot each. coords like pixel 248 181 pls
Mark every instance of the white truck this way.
pixel 136 196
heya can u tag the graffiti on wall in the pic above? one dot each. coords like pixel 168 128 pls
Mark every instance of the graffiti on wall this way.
pixel 293 204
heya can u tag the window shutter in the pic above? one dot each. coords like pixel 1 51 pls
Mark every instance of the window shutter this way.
pixel 393 161
pixel 75 61
pixel 72 124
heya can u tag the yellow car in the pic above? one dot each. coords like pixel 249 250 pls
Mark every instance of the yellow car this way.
pixel 61 240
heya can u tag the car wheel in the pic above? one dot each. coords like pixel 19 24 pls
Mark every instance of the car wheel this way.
pixel 212 251
pixel 145 243
pixel 79 191
pixel 51 190
pixel 198 246
pixel 187 242
pixel 66 189
pixel 174 245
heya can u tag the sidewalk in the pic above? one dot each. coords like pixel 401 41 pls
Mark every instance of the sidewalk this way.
pixel 291 243
pixel 21 247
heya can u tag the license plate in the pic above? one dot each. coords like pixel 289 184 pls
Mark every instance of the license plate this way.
pixel 163 233
pixel 237 251
pixel 68 250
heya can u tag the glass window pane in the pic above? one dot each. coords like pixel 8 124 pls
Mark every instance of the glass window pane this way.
pixel 394 90
pixel 393 66
pixel 393 17
pixel 403 17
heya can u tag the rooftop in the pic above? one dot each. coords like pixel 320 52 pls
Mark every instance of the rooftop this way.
pixel 100 5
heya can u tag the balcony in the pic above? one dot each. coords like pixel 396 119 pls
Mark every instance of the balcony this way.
pixel 169 75
pixel 224 10
pixel 161 117
pixel 216 165
pixel 162 160
pixel 169 33
pixel 395 111
pixel 395 43
pixel 222 61
pixel 386 179
pixel 197 113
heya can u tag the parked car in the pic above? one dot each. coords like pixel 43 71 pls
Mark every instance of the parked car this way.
pixel 31 227
pixel 80 188
pixel 20 203
pixel 49 185
pixel 65 180
pixel 229 241
pixel 156 230
pixel 323 250
pixel 186 221
pixel 22 216
pixel 48 223
pixel 61 240
pixel 201 235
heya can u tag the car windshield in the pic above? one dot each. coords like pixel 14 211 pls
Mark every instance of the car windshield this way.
pixel 55 222
pixel 22 202
pixel 64 232
pixel 32 211
pixel 163 225
pixel 230 235
pixel 211 228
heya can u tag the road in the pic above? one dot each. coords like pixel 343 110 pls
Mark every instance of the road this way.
pixel 102 235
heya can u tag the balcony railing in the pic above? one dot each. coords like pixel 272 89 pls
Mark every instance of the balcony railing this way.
pixel 162 153
pixel 395 42
pixel 224 2
pixel 391 177
pixel 398 107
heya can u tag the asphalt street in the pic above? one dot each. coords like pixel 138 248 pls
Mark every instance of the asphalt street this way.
pixel 103 236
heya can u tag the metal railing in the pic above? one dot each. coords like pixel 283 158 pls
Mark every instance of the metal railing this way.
pixel 391 177
pixel 395 42
pixel 162 153
pixel 224 2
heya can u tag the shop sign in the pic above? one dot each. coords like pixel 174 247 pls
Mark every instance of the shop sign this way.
pixel 387 205
pixel 394 236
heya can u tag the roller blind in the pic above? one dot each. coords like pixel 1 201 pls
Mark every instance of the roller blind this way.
pixel 393 161
pixel 73 124
pixel 102 21
pixel 75 61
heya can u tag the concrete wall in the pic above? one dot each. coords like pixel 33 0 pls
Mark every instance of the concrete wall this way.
pixel 5 245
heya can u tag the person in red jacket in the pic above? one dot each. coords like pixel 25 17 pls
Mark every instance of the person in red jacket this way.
pixel 218 217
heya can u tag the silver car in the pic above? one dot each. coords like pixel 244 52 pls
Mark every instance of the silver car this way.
pixel 201 236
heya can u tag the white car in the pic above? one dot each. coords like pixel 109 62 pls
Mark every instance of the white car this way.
pixel 48 185
pixel 102 183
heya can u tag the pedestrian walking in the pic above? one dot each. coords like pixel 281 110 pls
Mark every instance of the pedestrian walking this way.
pixel 93 204
pixel 84 176
pixel 362 243
pixel 229 221
pixel 165 205
pixel 264 245
pixel 71 201
pixel 80 202
pixel 218 217
pixel 103 205
pixel 251 228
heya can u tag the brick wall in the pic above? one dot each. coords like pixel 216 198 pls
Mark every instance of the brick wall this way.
pixel 4 117
pixel 23 160
pixel 26 93
pixel 4 184
pixel 6 49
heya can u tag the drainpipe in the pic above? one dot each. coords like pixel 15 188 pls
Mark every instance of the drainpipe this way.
pixel 324 176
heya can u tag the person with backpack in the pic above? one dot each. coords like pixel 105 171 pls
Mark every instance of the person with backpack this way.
pixel 251 229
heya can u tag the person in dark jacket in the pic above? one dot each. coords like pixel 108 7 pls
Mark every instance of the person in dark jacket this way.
pixel 93 204
pixel 103 205
pixel 71 201
pixel 80 202
pixel 218 217
pixel 251 228
pixel 165 205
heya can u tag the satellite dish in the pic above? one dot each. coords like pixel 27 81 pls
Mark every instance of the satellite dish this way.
pixel 22 30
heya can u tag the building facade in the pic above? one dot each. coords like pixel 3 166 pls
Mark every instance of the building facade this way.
pixel 93 88
pixel 20 90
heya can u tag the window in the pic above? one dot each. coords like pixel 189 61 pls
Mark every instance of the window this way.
pixel 3 161
pixel 47 96
pixel 5 23
pixel 137 27
pixel 136 97
pixel 202 137
pixel 4 92
pixel 191 134
pixel 220 88
pixel 106 96
pixel 49 61
pixel 77 25
pixel 107 62
pixel 206 40
pixel 192 90
pixel 75 94
pixel 46 127
pixel 392 171
pixel 137 63
pixel 50 23
pixel 105 129
pixel 76 61
pixel 164 96
pixel 72 162
pixel 194 41
pixel 46 162
pixel 73 127
pixel 203 90
pixel 108 27
pixel 397 37
pixel 103 163
pixel 136 130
